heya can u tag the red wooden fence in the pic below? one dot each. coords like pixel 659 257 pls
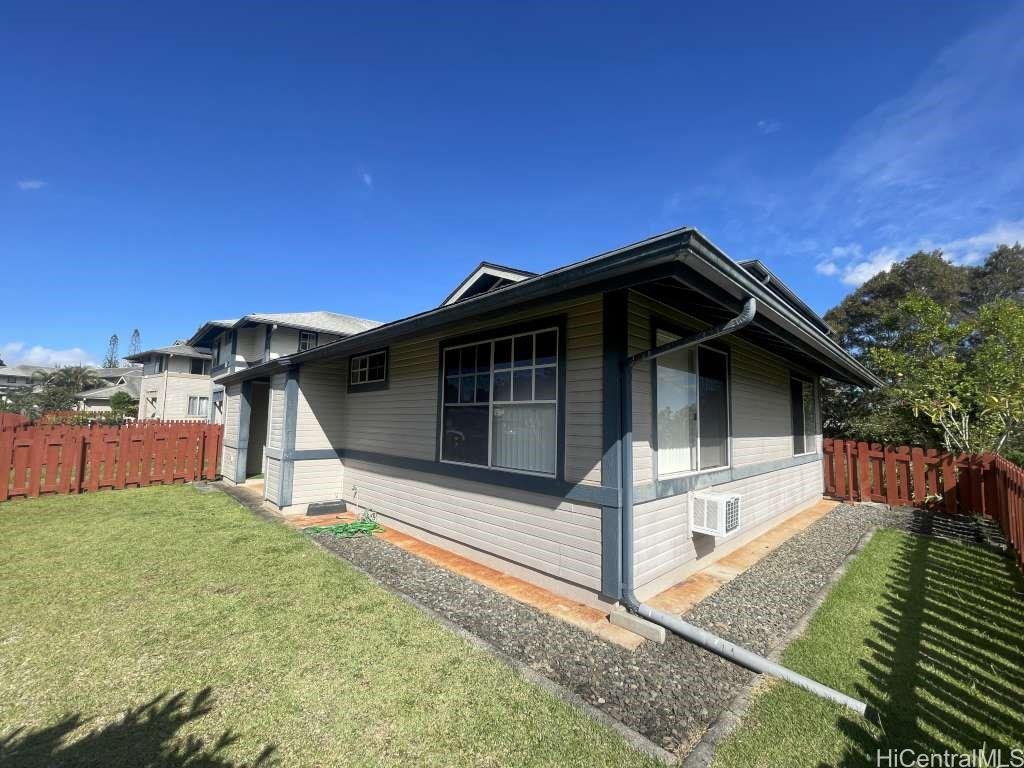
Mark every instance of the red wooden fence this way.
pixel 11 420
pixel 39 460
pixel 982 484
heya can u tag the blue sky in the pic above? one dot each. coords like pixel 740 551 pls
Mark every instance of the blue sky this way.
pixel 160 166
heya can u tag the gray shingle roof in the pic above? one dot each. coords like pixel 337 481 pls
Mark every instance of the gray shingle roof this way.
pixel 133 386
pixel 321 320
pixel 181 350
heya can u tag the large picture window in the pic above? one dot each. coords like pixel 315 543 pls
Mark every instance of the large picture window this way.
pixel 692 398
pixel 500 403
pixel 801 398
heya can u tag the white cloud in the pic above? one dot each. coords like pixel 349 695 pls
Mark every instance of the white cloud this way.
pixel 769 126
pixel 974 249
pixel 18 353
pixel 31 185
pixel 827 268
pixel 861 270
pixel 367 180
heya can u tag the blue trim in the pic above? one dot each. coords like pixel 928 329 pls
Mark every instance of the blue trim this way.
pixel 244 415
pixel 586 494
pixel 679 485
pixel 615 331
pixel 291 410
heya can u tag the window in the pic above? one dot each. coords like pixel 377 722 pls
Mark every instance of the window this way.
pixel 692 397
pixel 500 403
pixel 371 368
pixel 198 406
pixel 199 366
pixel 801 400
pixel 307 340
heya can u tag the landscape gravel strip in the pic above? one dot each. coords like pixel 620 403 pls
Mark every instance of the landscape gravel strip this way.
pixel 669 693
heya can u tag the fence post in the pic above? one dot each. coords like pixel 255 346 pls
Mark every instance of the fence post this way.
pixel 6 460
pixel 890 475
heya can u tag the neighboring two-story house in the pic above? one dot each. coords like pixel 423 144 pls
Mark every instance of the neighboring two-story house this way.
pixel 176 382
pixel 260 337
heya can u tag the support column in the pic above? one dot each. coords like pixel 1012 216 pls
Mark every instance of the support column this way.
pixel 291 413
pixel 615 331
pixel 244 415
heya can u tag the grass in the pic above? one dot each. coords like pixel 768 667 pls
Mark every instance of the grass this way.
pixel 930 633
pixel 162 626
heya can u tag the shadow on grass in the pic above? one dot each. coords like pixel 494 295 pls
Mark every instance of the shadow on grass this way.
pixel 947 669
pixel 145 735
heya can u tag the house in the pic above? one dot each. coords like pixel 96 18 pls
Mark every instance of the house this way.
pixel 175 383
pixel 18 376
pixel 508 423
pixel 256 338
pixel 127 380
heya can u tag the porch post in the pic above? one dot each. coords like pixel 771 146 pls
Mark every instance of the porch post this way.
pixel 291 412
pixel 244 415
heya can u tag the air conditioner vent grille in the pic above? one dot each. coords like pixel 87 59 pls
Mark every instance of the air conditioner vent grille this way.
pixel 715 514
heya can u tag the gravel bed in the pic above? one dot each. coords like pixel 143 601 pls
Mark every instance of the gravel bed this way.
pixel 669 693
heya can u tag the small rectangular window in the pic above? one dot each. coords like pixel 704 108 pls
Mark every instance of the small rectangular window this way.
pixel 198 406
pixel 307 340
pixel 199 366
pixel 802 410
pixel 372 368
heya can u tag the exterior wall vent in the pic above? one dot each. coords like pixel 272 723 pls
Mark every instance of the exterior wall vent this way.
pixel 716 514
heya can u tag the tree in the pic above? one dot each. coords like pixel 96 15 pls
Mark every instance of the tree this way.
pixel 861 320
pixel 58 390
pixel 112 359
pixel 1000 277
pixel 964 377
pixel 123 406
pixel 135 345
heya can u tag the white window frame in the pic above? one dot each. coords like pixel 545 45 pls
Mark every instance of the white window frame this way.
pixel 199 409
pixel 504 403
pixel 813 447
pixel 316 340
pixel 359 365
pixel 728 411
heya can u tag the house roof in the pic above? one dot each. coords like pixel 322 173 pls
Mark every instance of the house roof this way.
pixel 318 320
pixel 177 350
pixel 486 277
pixel 24 370
pixel 133 386
pixel 713 284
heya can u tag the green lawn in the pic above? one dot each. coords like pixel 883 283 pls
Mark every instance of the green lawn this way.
pixel 930 633
pixel 163 626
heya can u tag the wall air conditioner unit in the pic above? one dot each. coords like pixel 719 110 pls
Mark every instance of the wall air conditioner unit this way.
pixel 716 514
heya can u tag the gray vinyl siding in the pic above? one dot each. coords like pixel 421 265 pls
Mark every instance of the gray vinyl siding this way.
pixel 558 538
pixel 271 479
pixel 275 425
pixel 317 480
pixel 760 418
pixel 402 419
pixel 761 431
pixel 319 425
pixel 251 342
pixel 661 529
pixel 232 410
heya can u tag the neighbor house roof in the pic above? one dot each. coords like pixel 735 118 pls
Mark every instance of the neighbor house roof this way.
pixel 319 320
pixel 178 350
pixel 684 256
pixel 132 386
pixel 24 370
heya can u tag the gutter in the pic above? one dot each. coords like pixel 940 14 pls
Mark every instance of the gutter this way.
pixel 689 632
